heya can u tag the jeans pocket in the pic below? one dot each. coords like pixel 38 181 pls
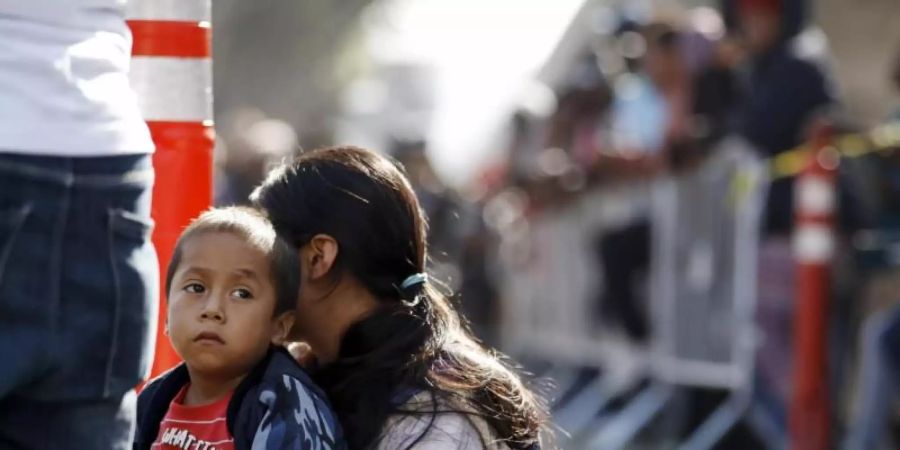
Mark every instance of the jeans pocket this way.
pixel 135 276
pixel 11 222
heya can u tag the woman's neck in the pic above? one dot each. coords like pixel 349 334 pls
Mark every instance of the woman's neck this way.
pixel 351 303
pixel 204 390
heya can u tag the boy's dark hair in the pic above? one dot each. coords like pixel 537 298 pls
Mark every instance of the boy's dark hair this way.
pixel 251 225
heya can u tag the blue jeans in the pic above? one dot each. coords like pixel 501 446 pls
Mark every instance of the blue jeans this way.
pixel 78 298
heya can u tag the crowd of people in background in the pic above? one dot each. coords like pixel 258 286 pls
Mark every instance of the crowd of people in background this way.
pixel 679 92
pixel 656 97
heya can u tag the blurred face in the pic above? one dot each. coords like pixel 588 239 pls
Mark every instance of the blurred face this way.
pixel 221 306
pixel 761 27
pixel 662 65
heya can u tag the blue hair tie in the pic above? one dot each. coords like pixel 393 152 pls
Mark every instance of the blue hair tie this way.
pixel 414 279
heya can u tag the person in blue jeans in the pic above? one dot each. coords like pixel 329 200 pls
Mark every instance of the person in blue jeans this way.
pixel 78 273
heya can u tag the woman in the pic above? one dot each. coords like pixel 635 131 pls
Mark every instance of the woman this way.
pixel 400 367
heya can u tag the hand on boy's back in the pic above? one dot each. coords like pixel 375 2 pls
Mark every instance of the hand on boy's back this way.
pixel 302 352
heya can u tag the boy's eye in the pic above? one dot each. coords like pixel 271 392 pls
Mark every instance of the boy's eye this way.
pixel 195 288
pixel 242 294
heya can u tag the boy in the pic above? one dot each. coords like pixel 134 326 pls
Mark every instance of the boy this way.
pixel 232 287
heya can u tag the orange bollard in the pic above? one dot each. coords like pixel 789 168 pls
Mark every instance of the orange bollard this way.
pixel 171 74
pixel 814 242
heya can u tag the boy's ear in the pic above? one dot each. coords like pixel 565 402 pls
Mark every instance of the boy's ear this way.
pixel 319 255
pixel 282 327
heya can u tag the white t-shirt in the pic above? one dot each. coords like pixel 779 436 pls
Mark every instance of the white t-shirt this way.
pixel 64 87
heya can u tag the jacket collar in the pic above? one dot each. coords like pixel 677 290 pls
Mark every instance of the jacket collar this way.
pixel 158 394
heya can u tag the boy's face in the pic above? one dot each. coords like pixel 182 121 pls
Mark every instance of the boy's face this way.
pixel 221 304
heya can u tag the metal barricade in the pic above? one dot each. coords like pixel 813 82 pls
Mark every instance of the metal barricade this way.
pixel 550 312
pixel 550 308
pixel 705 227
pixel 703 271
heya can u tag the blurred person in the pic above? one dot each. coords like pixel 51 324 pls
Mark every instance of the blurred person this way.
pixel 252 144
pixel 879 388
pixel 715 83
pixel 455 235
pixel 524 143
pixel 879 385
pixel 78 273
pixel 460 239
pixel 781 94
pixel 716 94
pixel 650 117
pixel 574 126
pixel 478 290
pixel 438 201
pixel 651 105
pixel 238 165
pixel 396 360
pixel 552 154
pixel 232 288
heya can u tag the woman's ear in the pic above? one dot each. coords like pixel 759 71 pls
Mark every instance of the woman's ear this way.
pixel 282 327
pixel 318 256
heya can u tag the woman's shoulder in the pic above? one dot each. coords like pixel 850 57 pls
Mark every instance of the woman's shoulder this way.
pixel 429 423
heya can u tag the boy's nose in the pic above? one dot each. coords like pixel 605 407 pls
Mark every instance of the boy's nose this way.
pixel 212 309
pixel 212 315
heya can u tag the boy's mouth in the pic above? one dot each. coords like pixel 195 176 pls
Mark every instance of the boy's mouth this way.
pixel 209 336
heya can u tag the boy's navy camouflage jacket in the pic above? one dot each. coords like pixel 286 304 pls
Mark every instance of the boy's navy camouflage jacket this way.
pixel 276 407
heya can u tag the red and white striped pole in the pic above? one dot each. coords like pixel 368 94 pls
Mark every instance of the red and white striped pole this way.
pixel 814 243
pixel 171 71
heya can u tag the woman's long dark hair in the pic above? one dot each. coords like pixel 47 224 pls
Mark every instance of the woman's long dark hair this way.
pixel 415 341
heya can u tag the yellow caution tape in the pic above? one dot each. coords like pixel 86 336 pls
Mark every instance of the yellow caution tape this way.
pixel 883 138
